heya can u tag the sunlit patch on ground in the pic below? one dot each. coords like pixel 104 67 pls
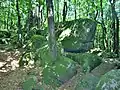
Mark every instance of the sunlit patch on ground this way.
pixel 9 60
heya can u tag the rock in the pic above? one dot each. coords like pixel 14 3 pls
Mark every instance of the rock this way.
pixel 78 35
pixel 59 73
pixel 87 60
pixel 88 82
pixel 109 81
pixel 38 41
pixel 102 69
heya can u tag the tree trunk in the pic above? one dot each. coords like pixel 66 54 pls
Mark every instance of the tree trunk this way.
pixel 19 25
pixel 75 11
pixel 52 40
pixel 58 10
pixel 115 27
pixel 64 10
pixel 104 41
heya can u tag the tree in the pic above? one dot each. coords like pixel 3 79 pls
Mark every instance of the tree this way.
pixel 52 40
pixel 104 41
pixel 115 27
pixel 64 10
pixel 19 24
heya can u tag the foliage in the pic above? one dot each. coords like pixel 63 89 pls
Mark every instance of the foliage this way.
pixel 84 9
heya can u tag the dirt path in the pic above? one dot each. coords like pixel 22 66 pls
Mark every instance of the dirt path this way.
pixel 8 61
pixel 10 73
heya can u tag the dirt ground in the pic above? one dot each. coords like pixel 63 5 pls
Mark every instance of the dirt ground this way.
pixel 12 76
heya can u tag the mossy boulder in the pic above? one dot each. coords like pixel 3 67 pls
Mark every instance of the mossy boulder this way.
pixel 86 60
pixel 38 41
pixel 88 82
pixel 109 81
pixel 77 35
pixel 57 74
pixel 44 56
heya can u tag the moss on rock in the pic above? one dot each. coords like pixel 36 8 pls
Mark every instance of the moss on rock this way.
pixel 109 81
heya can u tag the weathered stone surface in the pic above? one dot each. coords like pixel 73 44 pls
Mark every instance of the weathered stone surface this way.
pixel 77 35
pixel 86 60
pixel 102 69
pixel 63 70
pixel 109 81
pixel 88 82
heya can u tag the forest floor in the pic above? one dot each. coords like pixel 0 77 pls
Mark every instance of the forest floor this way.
pixel 12 76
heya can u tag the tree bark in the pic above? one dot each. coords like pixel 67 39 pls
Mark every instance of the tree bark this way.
pixel 115 27
pixel 75 11
pixel 64 11
pixel 58 10
pixel 104 41
pixel 52 40
pixel 19 25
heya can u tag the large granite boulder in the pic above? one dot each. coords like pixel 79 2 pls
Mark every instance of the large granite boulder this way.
pixel 77 35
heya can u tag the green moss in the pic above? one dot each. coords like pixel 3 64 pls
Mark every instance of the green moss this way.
pixel 87 60
pixel 60 72
pixel 109 81
pixel 88 82
pixel 79 30
pixel 29 83
pixel 38 41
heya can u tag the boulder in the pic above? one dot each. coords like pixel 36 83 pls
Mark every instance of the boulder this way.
pixel 60 72
pixel 78 35
pixel 109 81
pixel 88 82
pixel 86 60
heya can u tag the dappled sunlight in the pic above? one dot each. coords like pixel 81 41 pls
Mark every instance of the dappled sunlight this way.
pixel 65 33
pixel 9 60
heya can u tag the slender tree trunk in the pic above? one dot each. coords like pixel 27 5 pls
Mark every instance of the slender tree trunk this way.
pixel 4 20
pixel 79 10
pixel 104 41
pixel 19 25
pixel 75 10
pixel 117 35
pixel 52 40
pixel 115 27
pixel 58 10
pixel 64 10
pixel 7 20
pixel 40 20
pixel 11 21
